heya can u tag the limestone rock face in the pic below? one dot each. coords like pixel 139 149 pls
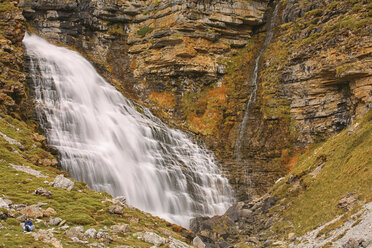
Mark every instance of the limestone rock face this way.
pixel 191 63
pixel 12 85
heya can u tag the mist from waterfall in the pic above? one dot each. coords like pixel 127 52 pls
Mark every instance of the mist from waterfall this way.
pixel 103 140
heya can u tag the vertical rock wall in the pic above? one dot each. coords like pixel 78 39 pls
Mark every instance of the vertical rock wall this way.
pixel 191 61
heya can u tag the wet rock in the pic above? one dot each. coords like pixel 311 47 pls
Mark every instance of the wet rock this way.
pixel 120 200
pixel 91 233
pixel 64 183
pixel 116 209
pixel 43 192
pixel 234 210
pixel 123 228
pixel 152 238
pixel 215 228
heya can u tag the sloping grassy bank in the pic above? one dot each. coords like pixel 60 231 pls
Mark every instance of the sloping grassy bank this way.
pixel 78 207
pixel 331 172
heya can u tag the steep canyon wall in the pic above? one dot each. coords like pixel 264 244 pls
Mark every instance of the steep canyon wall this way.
pixel 191 63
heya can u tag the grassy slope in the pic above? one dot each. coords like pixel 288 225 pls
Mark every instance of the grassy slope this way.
pixel 80 206
pixel 346 166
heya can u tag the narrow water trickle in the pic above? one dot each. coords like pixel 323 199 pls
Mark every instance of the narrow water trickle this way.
pixel 252 97
pixel 104 141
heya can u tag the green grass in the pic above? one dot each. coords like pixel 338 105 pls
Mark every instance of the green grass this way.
pixel 81 206
pixel 347 168
pixel 144 30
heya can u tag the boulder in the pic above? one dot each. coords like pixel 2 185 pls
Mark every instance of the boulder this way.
pixel 33 211
pixel 174 243
pixel 103 236
pixel 268 204
pixel 48 212
pixel 152 238
pixel 3 215
pixel 47 236
pixel 233 211
pixel 64 183
pixel 198 243
pixel 43 192
pixel 22 218
pixel 120 200
pixel 123 228
pixel 90 233
pixel 54 221
pixel 4 204
pixel 116 209
pixel 214 228
pixel 76 232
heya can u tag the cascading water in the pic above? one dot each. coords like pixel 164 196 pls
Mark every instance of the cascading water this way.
pixel 103 140
pixel 252 97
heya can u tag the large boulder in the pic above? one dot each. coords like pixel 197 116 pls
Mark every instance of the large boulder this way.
pixel 4 203
pixel 103 236
pixel 215 228
pixel 174 243
pixel 55 221
pixel 152 238
pixel 75 232
pixel 64 183
pixel 198 243
pixel 33 211
pixel 91 233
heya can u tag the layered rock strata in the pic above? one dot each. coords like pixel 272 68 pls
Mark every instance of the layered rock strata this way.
pixel 191 63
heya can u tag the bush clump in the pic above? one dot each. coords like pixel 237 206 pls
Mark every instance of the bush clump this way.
pixel 144 30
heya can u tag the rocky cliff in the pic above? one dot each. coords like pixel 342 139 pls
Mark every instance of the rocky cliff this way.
pixel 191 62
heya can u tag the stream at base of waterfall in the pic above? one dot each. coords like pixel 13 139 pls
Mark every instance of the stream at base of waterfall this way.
pixel 104 141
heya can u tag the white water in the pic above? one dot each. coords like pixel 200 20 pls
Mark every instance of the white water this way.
pixel 104 141
pixel 252 97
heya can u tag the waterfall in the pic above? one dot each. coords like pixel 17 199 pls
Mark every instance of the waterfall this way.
pixel 252 97
pixel 104 141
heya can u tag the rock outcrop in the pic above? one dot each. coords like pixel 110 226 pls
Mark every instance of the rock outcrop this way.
pixel 191 63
